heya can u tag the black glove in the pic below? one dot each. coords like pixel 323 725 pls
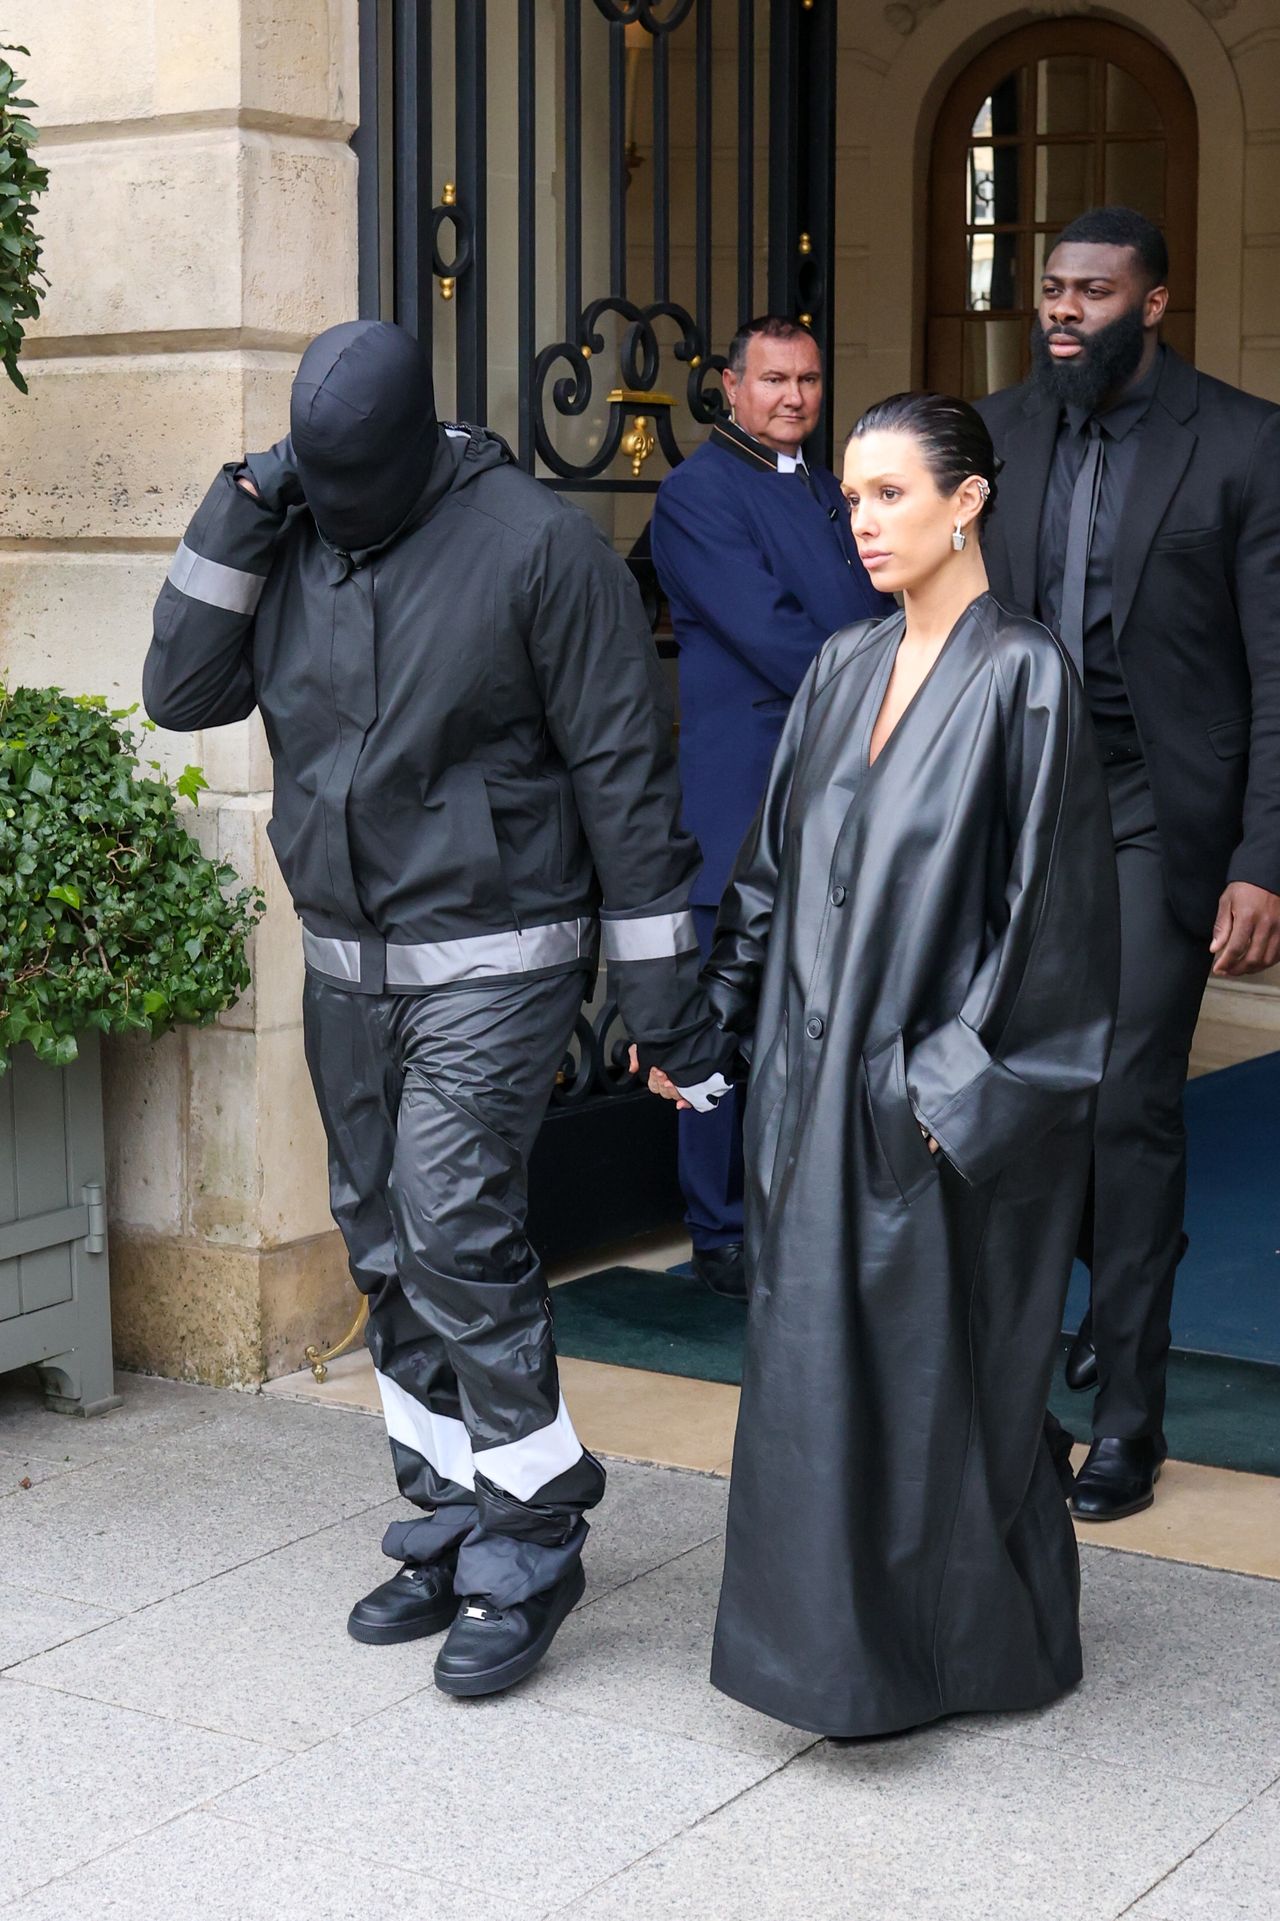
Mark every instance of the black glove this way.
pixel 275 475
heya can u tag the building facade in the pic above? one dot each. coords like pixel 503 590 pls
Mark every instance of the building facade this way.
pixel 576 201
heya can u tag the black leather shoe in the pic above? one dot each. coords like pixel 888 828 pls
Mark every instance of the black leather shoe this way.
pixel 1080 1371
pixel 1118 1478
pixel 413 1603
pixel 722 1269
pixel 489 1648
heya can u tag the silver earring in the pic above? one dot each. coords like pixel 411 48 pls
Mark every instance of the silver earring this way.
pixel 959 538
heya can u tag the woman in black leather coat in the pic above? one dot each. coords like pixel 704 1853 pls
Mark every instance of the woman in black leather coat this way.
pixel 918 952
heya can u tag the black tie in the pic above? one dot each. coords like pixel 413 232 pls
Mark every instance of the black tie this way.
pixel 1075 573
pixel 801 473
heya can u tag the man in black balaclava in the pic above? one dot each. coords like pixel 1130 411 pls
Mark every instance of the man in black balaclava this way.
pixel 474 793
pixel 362 419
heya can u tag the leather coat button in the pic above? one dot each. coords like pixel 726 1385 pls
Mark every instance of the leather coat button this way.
pixel 837 896
pixel 813 1028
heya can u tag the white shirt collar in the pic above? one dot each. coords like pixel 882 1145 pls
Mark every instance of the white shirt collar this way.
pixel 791 463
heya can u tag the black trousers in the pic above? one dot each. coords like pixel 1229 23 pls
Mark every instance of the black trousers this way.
pixel 1133 1237
pixel 431 1104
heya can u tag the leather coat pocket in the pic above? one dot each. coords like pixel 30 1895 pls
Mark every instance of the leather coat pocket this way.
pixel 898 1135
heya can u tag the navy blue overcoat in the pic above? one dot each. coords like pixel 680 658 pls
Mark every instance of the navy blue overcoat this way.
pixel 759 572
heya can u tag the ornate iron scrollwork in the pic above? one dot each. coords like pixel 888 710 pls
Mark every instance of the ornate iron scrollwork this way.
pixel 596 1066
pixel 448 271
pixel 644 13
pixel 636 394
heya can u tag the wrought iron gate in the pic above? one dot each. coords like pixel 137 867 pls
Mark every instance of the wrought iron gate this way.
pixel 425 249
pixel 655 172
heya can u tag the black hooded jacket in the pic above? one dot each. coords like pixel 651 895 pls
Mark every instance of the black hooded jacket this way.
pixel 470 733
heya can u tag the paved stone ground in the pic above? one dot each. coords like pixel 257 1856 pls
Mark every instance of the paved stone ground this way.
pixel 186 1730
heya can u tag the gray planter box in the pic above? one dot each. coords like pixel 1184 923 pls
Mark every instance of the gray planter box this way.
pixel 55 1310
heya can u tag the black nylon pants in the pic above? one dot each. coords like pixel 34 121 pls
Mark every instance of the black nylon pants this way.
pixel 1133 1237
pixel 431 1104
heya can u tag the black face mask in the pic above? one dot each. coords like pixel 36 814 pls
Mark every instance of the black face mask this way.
pixel 1110 358
pixel 364 430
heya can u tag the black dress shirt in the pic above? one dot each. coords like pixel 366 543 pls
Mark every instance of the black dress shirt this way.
pixel 1121 428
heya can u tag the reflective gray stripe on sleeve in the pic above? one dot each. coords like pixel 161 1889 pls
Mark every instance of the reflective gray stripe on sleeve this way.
pixel 210 581
pixel 478 956
pixel 340 959
pixel 651 937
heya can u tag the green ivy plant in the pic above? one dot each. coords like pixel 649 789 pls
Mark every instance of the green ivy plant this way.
pixel 20 181
pixel 111 917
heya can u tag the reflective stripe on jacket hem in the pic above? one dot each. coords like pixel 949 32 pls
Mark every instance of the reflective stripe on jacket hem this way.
pixel 227 587
pixel 441 962
pixel 648 937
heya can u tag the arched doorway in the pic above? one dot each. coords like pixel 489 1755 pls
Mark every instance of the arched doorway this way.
pixel 1046 122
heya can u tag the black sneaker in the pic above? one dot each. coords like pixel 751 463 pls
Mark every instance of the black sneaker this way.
pixel 413 1603
pixel 488 1648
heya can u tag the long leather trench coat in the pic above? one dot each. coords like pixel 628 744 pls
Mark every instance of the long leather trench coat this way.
pixel 932 938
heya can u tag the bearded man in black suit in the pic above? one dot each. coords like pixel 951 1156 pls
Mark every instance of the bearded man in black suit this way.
pixel 1140 520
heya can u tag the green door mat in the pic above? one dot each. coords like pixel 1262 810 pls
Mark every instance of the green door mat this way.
pixel 1221 1412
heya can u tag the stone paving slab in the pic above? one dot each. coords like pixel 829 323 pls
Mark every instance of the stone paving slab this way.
pixel 30 1623
pixel 175 1508
pixel 648 1515
pixel 642 1655
pixel 1233 1876
pixel 1196 1650
pixel 221 1870
pixel 940 1824
pixel 505 1794
pixel 216 1750
pixel 79 1778
pixel 150 1407
pixel 277 1664
pixel 19 1467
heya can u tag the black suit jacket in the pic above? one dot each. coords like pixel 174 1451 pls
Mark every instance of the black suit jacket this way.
pixel 1196 610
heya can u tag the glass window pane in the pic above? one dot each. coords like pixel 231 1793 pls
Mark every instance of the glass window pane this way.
pixel 1130 108
pixel 1064 181
pixel 1135 176
pixel 982 186
pixel 994 353
pixel 993 272
pixel 993 185
pixel 1001 111
pixel 1065 95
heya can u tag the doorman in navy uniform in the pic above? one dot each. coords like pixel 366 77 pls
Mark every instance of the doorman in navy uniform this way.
pixel 755 555
pixel 474 788
pixel 1139 518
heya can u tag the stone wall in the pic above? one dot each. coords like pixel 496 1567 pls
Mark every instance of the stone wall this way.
pixel 200 227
